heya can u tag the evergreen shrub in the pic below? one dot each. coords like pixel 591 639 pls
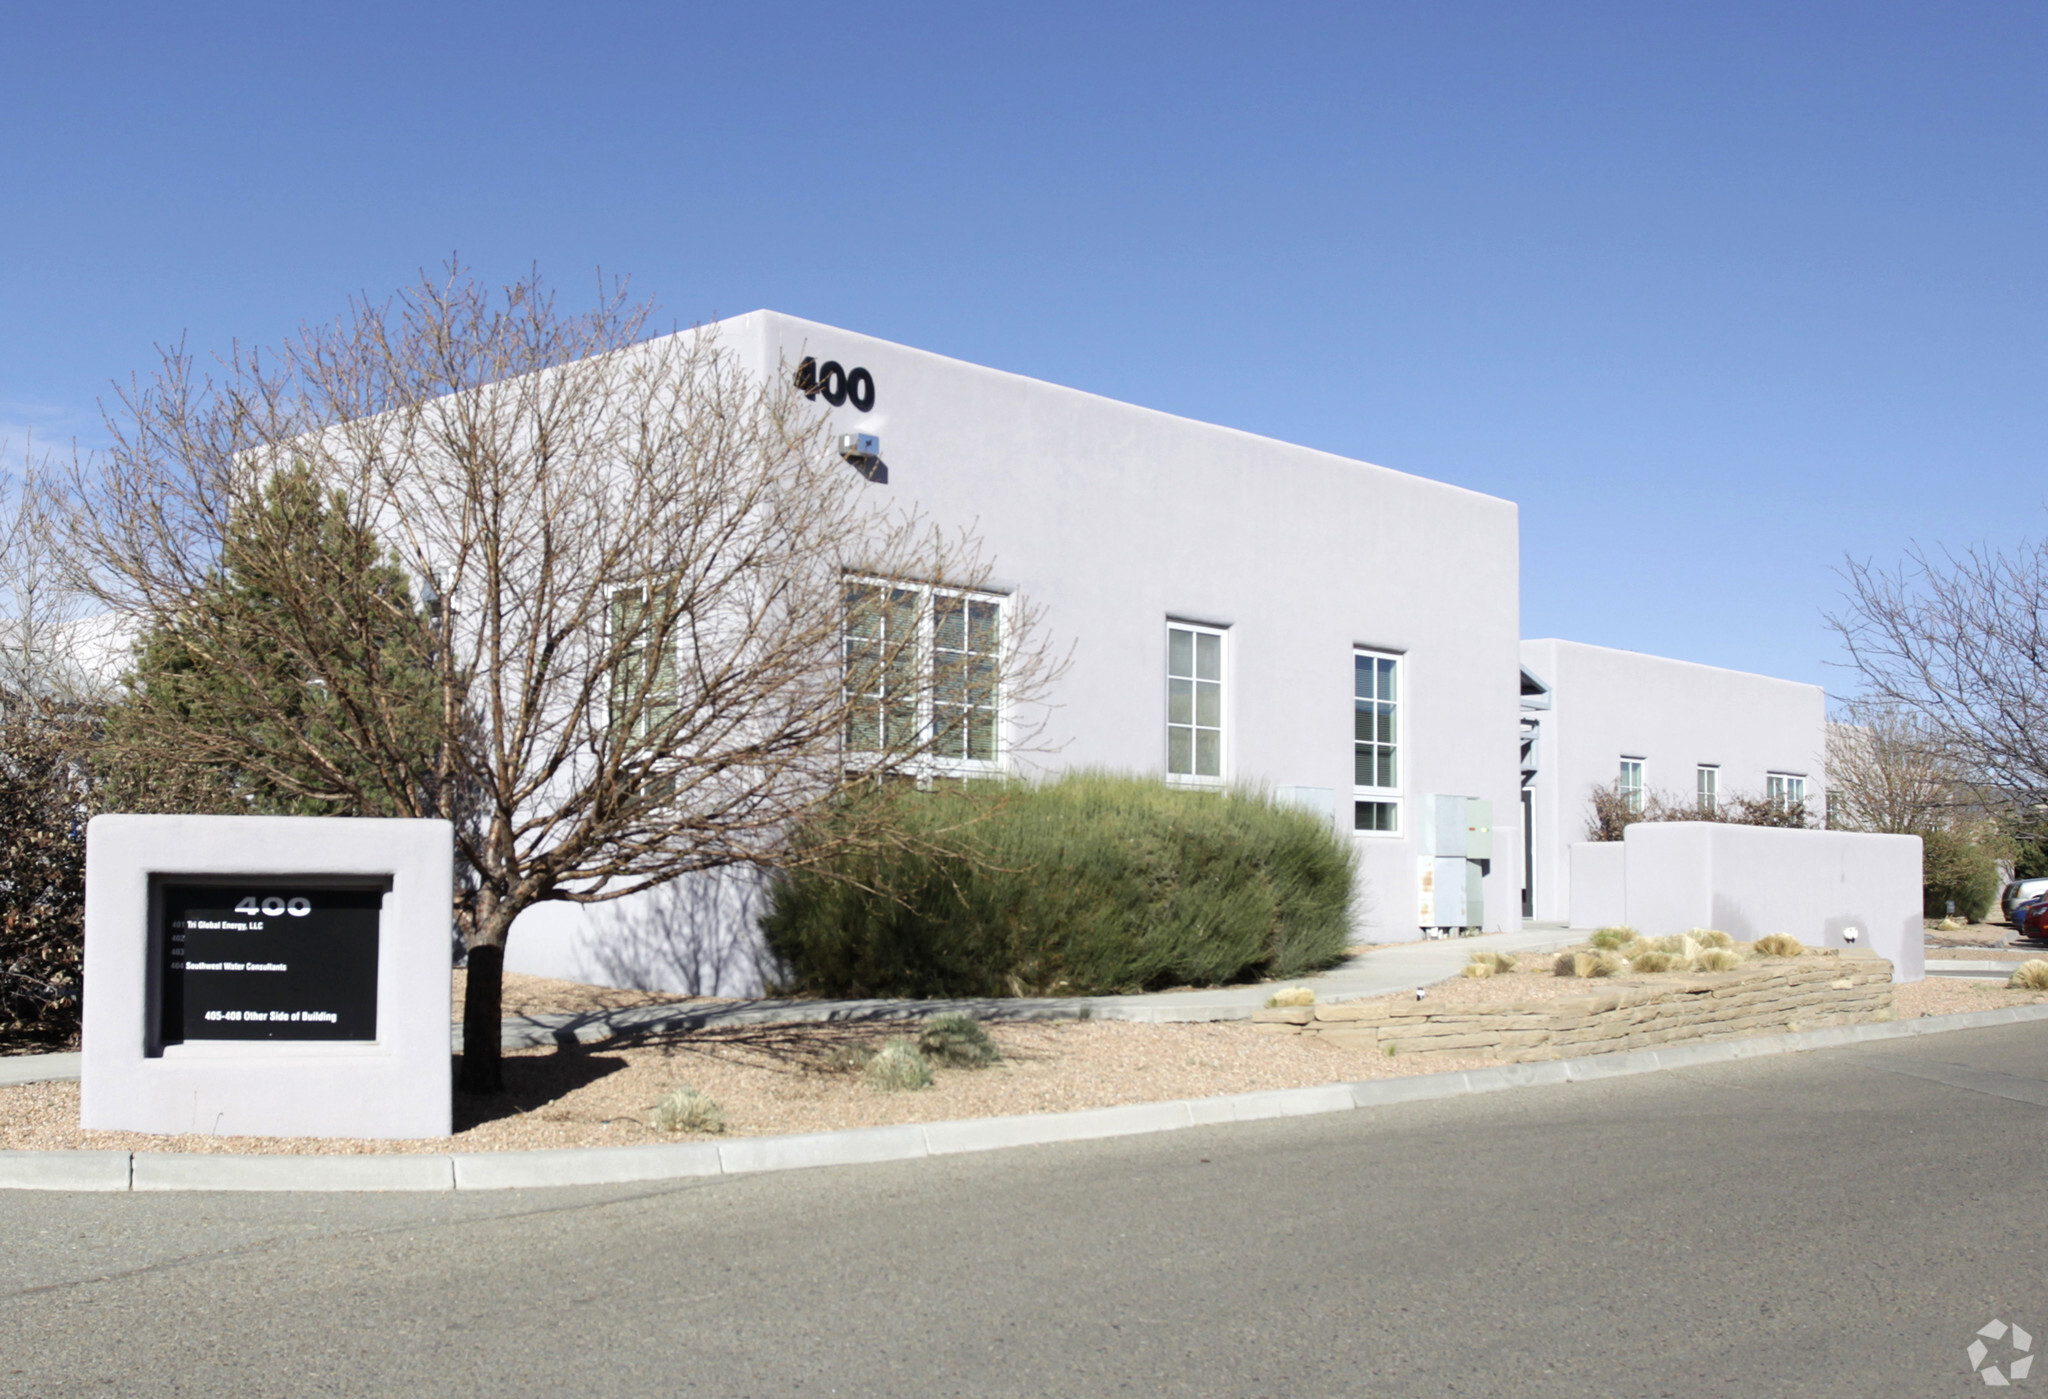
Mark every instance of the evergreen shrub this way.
pixel 1092 884
pixel 1953 868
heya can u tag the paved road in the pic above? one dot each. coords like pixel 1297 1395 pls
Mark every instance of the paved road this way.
pixel 1820 1224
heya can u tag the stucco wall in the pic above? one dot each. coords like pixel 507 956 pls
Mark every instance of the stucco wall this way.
pixel 1674 716
pixel 1116 518
pixel 1750 881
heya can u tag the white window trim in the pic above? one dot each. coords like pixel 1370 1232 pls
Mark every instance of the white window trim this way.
pixel 1714 803
pixel 1223 744
pixel 1784 781
pixel 1640 793
pixel 929 766
pixel 1393 794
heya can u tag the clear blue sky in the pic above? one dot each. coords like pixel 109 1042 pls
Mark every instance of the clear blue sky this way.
pixel 1716 291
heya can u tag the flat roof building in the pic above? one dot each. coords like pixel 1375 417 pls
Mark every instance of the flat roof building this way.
pixel 1239 610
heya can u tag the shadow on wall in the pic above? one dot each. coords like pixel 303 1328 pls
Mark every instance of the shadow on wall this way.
pixel 698 936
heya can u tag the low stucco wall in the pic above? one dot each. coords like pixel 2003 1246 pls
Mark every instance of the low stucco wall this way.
pixel 1665 877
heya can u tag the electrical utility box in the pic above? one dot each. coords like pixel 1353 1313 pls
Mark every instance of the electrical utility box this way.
pixel 1454 836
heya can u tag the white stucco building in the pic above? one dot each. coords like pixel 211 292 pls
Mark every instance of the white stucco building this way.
pixel 1241 610
pixel 1595 717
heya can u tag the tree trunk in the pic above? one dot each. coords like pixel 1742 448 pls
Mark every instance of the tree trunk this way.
pixel 483 1021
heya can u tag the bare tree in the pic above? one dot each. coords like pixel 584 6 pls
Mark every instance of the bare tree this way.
pixel 1959 642
pixel 50 650
pixel 1890 771
pixel 48 687
pixel 663 620
pixel 1612 809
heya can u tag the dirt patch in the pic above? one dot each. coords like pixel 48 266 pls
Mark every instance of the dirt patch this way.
pixel 1941 995
pixel 778 1079
pixel 783 1078
pixel 1969 935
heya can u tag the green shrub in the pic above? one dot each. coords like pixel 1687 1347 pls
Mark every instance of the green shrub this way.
pixel 684 1109
pixel 957 1041
pixel 1092 884
pixel 897 1065
pixel 1951 868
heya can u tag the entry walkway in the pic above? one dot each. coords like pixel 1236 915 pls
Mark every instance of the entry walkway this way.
pixel 1378 971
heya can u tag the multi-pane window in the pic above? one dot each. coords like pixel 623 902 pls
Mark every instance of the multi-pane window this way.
pixel 1194 703
pixel 966 647
pixel 1708 793
pixel 1785 789
pixel 1630 783
pixel 923 674
pixel 1375 742
pixel 643 689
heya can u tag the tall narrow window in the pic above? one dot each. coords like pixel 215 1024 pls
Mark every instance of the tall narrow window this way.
pixel 1375 742
pixel 881 667
pixel 1785 790
pixel 1708 796
pixel 1630 783
pixel 965 645
pixel 1194 703
pixel 923 677
pixel 643 688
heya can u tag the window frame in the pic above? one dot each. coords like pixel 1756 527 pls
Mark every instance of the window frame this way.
pixel 1782 789
pixel 629 664
pixel 926 765
pixel 1195 727
pixel 1634 795
pixel 1388 796
pixel 1707 788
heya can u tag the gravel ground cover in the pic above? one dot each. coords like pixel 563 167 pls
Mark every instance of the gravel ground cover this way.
pixel 796 1078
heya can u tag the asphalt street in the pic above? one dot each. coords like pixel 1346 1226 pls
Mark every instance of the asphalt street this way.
pixel 1837 1223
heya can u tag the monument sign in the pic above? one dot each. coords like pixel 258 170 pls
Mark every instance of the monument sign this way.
pixel 267 975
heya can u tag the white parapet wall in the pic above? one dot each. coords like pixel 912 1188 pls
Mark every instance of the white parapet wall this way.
pixel 267 976
pixel 1599 874
pixel 1751 881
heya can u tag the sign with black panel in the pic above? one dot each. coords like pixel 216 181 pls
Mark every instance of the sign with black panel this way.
pixel 282 959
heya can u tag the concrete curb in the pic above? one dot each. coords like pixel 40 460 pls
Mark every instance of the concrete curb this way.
pixel 39 1068
pixel 144 1170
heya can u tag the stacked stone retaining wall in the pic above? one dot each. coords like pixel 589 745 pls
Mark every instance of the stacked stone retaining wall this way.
pixel 1788 994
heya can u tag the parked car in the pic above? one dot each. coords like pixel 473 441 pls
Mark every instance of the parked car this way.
pixel 2017 892
pixel 2030 919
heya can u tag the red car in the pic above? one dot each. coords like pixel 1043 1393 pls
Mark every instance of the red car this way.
pixel 2031 918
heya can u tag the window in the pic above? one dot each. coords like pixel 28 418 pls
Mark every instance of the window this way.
pixel 1194 703
pixel 966 646
pixel 643 689
pixel 1785 790
pixel 1375 742
pixel 1709 792
pixel 923 675
pixel 1630 783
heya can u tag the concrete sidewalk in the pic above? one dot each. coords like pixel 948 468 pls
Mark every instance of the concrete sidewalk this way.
pixel 1380 971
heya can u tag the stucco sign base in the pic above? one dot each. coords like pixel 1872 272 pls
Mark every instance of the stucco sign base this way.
pixel 172 1050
